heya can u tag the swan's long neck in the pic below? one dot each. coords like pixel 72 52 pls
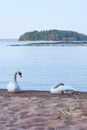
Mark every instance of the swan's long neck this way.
pixel 15 77
pixel 56 86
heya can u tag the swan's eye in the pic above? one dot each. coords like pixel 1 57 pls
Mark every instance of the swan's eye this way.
pixel 20 74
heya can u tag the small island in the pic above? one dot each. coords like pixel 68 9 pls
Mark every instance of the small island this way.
pixel 53 35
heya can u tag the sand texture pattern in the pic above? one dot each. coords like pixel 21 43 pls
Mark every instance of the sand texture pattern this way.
pixel 36 110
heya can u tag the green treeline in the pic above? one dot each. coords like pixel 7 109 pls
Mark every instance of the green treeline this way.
pixel 53 35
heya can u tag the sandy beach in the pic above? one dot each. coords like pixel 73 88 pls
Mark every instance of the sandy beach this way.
pixel 40 110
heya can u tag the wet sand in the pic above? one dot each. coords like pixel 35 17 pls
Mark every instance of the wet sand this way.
pixel 40 110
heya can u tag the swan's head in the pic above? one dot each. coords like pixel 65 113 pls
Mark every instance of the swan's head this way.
pixel 59 84
pixel 19 73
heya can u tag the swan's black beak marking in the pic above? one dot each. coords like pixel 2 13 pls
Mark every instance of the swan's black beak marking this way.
pixel 20 75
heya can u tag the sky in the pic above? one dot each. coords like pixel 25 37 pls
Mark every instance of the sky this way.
pixel 20 16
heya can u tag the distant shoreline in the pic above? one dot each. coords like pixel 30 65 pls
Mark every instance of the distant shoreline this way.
pixel 49 43
pixel 16 42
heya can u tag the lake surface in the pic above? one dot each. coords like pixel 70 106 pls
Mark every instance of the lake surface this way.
pixel 44 66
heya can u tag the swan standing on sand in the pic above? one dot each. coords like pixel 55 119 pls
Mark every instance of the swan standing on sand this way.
pixel 61 88
pixel 13 86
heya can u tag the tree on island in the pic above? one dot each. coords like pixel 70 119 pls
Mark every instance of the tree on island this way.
pixel 53 35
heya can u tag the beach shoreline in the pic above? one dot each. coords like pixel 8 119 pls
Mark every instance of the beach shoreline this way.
pixel 42 110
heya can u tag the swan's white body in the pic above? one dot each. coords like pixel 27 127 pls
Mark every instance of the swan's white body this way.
pixel 62 89
pixel 13 86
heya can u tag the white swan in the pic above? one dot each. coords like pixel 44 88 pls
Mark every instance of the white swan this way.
pixel 61 88
pixel 13 86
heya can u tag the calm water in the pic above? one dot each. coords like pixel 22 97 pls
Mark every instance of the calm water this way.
pixel 44 66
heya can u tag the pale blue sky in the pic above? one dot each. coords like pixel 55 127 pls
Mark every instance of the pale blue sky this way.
pixel 20 16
